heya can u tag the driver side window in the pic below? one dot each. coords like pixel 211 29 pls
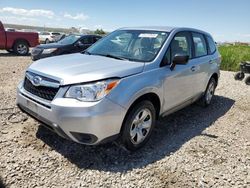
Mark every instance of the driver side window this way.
pixel 181 44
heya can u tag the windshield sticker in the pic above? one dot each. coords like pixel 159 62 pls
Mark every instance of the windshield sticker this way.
pixel 148 35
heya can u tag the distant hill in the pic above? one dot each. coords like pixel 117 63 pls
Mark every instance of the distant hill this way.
pixel 51 29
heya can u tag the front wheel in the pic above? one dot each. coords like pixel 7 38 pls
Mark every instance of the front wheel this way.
pixel 138 125
pixel 209 93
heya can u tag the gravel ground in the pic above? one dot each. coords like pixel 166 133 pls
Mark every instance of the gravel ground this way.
pixel 195 147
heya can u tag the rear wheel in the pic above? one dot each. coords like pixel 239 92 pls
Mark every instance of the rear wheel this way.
pixel 138 125
pixel 21 48
pixel 209 93
pixel 239 76
pixel 47 41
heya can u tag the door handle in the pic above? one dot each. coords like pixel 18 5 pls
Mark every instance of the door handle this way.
pixel 193 68
pixel 210 61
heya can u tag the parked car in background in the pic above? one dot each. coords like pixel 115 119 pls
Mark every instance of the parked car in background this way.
pixel 47 37
pixel 59 37
pixel 121 85
pixel 68 45
pixel 17 42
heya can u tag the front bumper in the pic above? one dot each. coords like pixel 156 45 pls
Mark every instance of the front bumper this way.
pixel 83 122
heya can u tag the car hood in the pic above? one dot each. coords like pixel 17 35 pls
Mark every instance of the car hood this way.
pixel 77 68
pixel 52 45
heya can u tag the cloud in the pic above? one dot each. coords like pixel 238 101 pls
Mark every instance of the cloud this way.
pixel 79 16
pixel 19 20
pixel 246 35
pixel 26 12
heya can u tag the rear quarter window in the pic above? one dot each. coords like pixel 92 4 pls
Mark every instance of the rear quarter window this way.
pixel 211 45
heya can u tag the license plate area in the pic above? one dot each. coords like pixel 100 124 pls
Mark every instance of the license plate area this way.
pixel 32 106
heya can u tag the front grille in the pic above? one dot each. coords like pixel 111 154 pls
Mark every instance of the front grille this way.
pixel 44 92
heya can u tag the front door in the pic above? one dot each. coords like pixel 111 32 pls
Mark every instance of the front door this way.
pixel 179 83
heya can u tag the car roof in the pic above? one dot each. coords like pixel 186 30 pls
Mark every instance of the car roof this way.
pixel 164 28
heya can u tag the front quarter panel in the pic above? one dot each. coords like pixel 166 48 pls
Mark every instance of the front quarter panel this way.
pixel 131 88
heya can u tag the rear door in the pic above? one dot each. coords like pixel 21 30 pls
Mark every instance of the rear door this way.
pixel 201 62
pixel 179 83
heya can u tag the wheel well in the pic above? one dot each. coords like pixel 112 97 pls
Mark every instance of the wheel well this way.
pixel 20 40
pixel 215 76
pixel 152 97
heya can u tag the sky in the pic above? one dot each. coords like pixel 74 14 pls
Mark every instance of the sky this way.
pixel 226 20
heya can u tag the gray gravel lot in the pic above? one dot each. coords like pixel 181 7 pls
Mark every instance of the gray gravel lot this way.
pixel 195 147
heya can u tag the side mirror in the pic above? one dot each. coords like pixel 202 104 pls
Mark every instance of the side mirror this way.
pixel 179 59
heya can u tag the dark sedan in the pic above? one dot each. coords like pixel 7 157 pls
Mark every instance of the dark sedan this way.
pixel 68 45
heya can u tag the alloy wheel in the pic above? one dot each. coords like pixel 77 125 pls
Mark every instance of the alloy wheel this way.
pixel 22 49
pixel 210 92
pixel 141 126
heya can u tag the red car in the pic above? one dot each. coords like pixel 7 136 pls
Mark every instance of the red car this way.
pixel 18 42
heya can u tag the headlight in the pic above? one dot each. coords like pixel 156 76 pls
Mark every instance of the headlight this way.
pixel 48 51
pixel 91 92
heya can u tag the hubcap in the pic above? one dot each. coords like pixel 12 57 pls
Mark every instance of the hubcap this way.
pixel 210 92
pixel 21 49
pixel 141 126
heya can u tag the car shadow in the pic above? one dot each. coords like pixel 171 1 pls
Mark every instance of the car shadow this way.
pixel 7 54
pixel 1 183
pixel 169 135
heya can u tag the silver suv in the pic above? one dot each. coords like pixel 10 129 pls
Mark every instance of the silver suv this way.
pixel 122 84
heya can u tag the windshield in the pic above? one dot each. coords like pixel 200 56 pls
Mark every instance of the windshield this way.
pixel 69 39
pixel 134 45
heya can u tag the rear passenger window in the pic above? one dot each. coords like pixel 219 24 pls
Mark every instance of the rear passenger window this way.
pixel 211 45
pixel 200 47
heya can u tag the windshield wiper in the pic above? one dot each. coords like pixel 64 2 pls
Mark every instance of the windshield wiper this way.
pixel 106 55
pixel 115 57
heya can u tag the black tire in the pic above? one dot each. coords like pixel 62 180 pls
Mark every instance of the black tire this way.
pixel 21 48
pixel 205 100
pixel 247 81
pixel 128 125
pixel 239 76
pixel 46 41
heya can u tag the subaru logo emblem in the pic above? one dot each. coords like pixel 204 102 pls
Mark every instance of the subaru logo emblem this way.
pixel 36 81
